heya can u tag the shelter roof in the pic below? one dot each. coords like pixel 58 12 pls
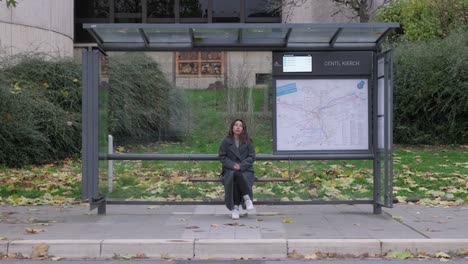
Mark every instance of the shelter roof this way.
pixel 239 36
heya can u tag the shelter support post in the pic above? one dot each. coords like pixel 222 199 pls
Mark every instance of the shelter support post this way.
pixel 90 155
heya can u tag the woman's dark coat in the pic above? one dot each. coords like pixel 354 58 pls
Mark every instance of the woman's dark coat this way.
pixel 229 155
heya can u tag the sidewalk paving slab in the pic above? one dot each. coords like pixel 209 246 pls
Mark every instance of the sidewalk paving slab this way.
pixel 430 246
pixel 356 247
pixel 207 231
pixel 60 248
pixel 240 248
pixel 152 248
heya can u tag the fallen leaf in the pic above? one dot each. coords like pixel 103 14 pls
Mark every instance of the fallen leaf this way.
pixel 30 230
pixel 127 256
pixel 295 255
pixel 153 207
pixel 55 258
pixel 399 255
pixel 192 227
pixel 288 220
pixel 40 251
pixel 312 256
pixel 442 255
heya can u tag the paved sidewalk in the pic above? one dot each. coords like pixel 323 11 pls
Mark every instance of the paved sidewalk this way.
pixel 206 231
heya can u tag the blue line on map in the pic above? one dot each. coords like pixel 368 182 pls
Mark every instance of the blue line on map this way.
pixel 286 89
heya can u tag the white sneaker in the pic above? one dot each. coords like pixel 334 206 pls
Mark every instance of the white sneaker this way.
pixel 235 214
pixel 249 205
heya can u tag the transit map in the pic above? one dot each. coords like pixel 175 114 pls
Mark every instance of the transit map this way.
pixel 322 114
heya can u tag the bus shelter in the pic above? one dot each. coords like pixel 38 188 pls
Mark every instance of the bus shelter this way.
pixel 333 80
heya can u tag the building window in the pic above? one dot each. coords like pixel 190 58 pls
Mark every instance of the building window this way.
pixel 172 11
pixel 127 6
pixel 200 64
pixel 194 11
pixel 263 12
pixel 262 78
pixel 92 9
pixel 226 11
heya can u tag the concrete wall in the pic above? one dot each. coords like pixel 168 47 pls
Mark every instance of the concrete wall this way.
pixel 242 67
pixel 37 26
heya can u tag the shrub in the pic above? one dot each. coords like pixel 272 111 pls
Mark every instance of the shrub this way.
pixel 431 91
pixel 40 106
pixel 423 20
pixel 144 106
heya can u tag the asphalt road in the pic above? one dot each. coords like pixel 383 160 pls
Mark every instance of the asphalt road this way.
pixel 327 261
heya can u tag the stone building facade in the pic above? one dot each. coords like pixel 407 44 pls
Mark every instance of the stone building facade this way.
pixel 44 26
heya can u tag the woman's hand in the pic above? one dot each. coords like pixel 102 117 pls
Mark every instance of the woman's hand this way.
pixel 237 167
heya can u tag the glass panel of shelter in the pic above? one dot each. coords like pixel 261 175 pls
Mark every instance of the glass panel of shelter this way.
pixel 119 35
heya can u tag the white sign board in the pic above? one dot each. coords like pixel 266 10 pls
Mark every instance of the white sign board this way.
pixel 322 114
pixel 297 63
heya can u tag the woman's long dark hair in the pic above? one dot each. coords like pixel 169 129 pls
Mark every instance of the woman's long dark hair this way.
pixel 244 137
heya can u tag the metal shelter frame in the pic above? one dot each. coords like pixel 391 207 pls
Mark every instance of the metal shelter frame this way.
pixel 324 38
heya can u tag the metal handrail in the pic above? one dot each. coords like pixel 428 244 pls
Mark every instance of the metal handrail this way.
pixel 193 157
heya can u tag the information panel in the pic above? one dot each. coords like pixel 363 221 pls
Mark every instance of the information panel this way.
pixel 321 114
pixel 297 63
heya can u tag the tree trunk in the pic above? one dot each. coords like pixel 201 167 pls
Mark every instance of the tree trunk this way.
pixel 363 12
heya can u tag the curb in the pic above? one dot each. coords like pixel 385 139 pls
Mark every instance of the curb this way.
pixel 223 248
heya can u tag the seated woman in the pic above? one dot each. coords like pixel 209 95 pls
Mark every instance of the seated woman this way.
pixel 237 154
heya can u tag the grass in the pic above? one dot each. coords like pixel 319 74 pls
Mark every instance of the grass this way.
pixel 434 174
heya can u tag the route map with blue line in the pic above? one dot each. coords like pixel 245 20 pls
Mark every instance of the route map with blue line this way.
pixel 322 114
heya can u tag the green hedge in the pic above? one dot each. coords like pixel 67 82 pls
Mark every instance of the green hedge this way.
pixel 144 106
pixel 40 111
pixel 431 91
pixel 40 106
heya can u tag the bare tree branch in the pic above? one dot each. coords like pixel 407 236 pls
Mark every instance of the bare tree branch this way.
pixel 362 9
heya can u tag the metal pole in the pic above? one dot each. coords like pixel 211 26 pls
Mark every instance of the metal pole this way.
pixel 110 165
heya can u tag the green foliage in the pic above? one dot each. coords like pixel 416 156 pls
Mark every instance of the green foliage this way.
pixel 143 104
pixel 10 3
pixel 431 84
pixel 40 106
pixel 425 19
